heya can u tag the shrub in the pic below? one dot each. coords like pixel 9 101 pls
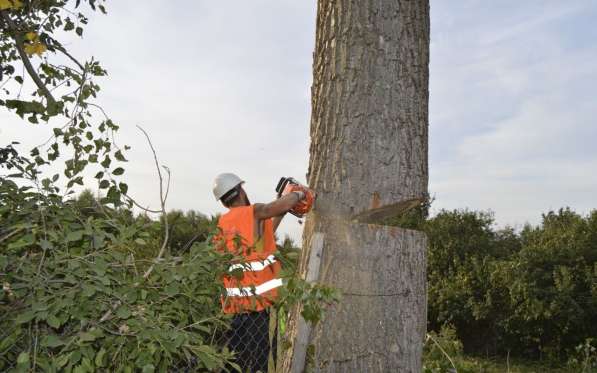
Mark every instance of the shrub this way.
pixel 75 297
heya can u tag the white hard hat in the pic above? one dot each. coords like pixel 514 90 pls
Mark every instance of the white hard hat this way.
pixel 224 183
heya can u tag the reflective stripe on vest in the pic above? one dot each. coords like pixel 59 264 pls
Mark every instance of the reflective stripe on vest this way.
pixel 255 288
pixel 253 266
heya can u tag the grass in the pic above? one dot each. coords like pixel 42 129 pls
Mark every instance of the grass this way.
pixel 481 365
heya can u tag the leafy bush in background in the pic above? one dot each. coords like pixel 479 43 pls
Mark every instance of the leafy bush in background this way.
pixel 584 358
pixel 531 293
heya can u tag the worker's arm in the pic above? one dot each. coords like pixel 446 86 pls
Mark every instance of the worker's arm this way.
pixel 278 207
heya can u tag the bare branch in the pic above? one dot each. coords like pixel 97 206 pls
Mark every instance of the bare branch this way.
pixel 162 202
pixel 56 44
pixel 167 183
pixel 18 37
pixel 11 234
pixel 116 304
pixel 129 198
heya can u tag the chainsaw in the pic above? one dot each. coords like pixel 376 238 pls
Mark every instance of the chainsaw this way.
pixel 288 185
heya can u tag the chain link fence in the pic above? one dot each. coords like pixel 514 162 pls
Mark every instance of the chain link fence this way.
pixel 252 337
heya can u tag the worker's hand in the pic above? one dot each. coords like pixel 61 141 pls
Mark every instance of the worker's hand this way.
pixel 294 188
pixel 301 194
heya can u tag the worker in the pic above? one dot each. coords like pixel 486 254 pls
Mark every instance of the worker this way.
pixel 247 231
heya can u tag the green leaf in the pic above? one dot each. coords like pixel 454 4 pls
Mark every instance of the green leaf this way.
pixel 61 361
pixel 118 155
pixel 123 188
pixel 39 306
pixel 52 341
pixel 79 31
pixel 106 162
pixel 25 317
pixel 74 236
pixel 123 312
pixel 118 171
pixel 99 358
pixel 69 25
pixel 19 79
pixel 172 289
pixel 23 358
pixel 53 321
pixel 46 245
pixel 149 368
pixel 88 290
pixel 140 241
pixel 86 337
pixel 104 184
pixel 75 356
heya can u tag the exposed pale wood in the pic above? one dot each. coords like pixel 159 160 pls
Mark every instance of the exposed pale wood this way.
pixel 301 342
pixel 377 215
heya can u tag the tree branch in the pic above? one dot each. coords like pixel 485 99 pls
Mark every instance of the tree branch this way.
pixel 162 203
pixel 163 196
pixel 26 61
pixel 56 44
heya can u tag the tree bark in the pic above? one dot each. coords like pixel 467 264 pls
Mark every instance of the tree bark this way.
pixel 368 161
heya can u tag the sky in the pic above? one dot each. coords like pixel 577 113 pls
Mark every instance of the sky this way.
pixel 225 87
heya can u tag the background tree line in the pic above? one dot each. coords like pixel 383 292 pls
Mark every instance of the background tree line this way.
pixel 530 293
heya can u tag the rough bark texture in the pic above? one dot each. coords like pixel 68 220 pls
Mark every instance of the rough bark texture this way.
pixel 379 325
pixel 369 104
pixel 368 160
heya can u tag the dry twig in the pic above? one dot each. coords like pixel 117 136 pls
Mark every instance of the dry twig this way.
pixel 163 197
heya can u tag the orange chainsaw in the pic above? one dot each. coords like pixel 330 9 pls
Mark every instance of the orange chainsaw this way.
pixel 288 185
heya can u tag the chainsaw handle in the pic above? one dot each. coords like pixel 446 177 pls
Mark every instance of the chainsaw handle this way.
pixel 281 185
pixel 288 184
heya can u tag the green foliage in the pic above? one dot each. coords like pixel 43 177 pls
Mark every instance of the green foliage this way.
pixel 74 296
pixel 186 228
pixel 551 284
pixel 62 87
pixel 531 293
pixel 443 351
pixel 584 358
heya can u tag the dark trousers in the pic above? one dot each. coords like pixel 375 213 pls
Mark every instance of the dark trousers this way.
pixel 248 337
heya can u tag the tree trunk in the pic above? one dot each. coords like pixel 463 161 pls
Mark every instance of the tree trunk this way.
pixel 368 161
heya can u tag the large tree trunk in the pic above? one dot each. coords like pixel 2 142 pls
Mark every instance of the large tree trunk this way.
pixel 368 161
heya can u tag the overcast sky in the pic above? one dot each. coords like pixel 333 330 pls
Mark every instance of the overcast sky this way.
pixel 224 86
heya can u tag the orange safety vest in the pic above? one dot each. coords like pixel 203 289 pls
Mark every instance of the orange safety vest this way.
pixel 256 288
